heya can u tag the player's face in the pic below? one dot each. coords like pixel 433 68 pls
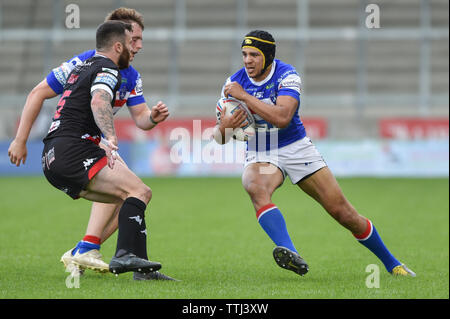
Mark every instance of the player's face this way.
pixel 125 55
pixel 253 62
pixel 136 37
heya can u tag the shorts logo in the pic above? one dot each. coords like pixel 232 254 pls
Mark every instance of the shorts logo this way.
pixel 48 158
pixel 88 162
pixel 250 158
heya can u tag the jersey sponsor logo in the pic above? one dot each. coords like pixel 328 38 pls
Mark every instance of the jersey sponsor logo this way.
pixel 106 78
pixel 85 63
pixel 62 72
pixel 269 86
pixel 285 74
pixel 122 93
pixel 292 82
pixel 138 88
pixel 259 95
pixel 73 78
pixel 111 71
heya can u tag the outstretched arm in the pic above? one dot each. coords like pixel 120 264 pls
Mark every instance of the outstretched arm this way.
pixel 17 151
pixel 141 114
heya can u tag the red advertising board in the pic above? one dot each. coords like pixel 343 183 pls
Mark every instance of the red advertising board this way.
pixel 316 128
pixel 413 128
pixel 126 130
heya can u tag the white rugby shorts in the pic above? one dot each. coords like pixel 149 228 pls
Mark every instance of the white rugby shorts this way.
pixel 296 160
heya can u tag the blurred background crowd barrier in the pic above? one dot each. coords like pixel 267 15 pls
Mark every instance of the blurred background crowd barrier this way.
pixel 375 98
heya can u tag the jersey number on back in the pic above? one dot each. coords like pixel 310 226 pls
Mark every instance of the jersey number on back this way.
pixel 61 103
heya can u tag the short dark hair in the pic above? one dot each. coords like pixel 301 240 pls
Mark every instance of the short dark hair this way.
pixel 127 15
pixel 109 32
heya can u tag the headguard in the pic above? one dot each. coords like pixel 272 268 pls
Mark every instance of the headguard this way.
pixel 264 43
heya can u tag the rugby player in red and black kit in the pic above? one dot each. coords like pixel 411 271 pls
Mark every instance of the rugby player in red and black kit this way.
pixel 72 160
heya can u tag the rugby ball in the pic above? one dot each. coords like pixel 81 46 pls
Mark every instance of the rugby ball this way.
pixel 232 105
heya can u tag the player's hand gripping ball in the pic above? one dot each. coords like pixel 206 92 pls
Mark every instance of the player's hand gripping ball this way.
pixel 231 105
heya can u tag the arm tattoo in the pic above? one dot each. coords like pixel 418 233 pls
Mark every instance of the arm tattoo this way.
pixel 103 114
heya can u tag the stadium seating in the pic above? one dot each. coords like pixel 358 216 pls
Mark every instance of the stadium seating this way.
pixel 330 66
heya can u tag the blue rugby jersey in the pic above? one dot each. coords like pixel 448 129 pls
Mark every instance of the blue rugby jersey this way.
pixel 130 91
pixel 282 80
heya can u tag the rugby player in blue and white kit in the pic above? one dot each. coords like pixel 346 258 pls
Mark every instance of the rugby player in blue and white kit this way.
pixel 271 90
pixel 103 221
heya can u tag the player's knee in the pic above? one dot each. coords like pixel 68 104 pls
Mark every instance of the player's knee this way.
pixel 257 192
pixel 145 193
pixel 140 191
pixel 253 189
pixel 343 213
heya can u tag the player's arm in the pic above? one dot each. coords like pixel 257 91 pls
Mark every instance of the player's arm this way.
pixel 226 124
pixel 279 114
pixel 103 114
pixel 48 88
pixel 17 151
pixel 104 118
pixel 146 118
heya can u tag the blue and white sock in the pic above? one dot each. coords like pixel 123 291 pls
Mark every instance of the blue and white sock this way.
pixel 372 240
pixel 273 223
pixel 88 243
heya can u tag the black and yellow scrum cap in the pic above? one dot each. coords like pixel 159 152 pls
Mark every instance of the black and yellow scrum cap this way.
pixel 264 43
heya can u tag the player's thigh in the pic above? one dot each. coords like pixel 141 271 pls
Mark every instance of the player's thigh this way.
pixel 323 187
pixel 261 178
pixel 119 182
pixel 99 197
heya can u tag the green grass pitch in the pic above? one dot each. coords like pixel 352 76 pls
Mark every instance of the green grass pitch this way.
pixel 204 232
